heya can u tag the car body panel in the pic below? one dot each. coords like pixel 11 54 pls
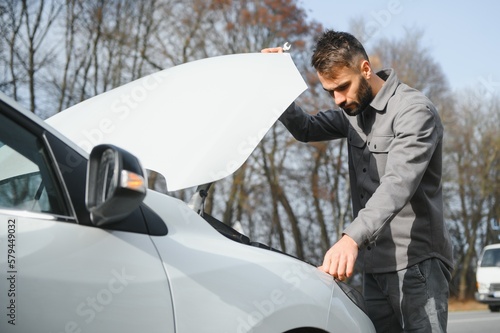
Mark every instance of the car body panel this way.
pixel 207 110
pixel 72 278
pixel 253 289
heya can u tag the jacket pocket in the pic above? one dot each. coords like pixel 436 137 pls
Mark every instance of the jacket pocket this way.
pixel 380 144
pixel 379 149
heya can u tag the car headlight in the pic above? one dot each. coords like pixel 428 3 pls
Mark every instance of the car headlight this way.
pixel 483 287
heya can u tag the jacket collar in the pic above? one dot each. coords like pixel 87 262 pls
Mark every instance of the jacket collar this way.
pixel 380 101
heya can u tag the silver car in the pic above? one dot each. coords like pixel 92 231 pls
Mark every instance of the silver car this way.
pixel 86 247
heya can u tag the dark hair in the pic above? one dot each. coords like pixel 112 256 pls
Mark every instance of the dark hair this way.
pixel 334 50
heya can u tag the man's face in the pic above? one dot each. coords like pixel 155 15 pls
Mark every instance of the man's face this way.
pixel 349 89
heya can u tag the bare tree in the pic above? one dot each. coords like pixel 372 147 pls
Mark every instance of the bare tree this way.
pixel 104 44
pixel 473 160
pixel 25 26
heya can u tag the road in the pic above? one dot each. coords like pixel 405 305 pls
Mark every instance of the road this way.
pixel 473 321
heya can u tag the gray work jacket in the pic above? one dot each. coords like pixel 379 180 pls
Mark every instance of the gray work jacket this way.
pixel 395 168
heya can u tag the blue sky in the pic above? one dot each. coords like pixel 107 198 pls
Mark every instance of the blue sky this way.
pixel 462 36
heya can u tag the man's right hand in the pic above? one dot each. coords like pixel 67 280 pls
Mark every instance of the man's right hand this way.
pixel 278 49
pixel 340 259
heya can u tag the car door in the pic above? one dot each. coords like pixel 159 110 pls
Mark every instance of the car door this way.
pixel 58 273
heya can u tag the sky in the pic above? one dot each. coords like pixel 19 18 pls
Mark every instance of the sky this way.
pixel 462 36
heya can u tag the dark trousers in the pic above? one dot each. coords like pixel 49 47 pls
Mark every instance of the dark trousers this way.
pixel 410 300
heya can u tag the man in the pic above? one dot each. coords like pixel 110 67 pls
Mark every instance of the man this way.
pixel 394 136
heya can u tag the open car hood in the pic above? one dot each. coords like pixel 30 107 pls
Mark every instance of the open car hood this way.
pixel 194 123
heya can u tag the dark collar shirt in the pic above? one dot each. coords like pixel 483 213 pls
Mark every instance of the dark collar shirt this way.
pixel 395 169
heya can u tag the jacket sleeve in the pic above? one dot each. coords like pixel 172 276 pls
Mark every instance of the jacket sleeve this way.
pixel 325 125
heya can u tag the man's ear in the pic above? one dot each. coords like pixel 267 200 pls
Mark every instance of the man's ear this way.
pixel 366 69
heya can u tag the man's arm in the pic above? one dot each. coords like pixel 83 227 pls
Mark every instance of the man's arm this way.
pixel 325 125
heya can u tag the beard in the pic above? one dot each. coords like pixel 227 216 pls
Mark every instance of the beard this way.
pixel 364 97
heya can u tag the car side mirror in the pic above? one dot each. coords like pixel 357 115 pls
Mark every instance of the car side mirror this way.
pixel 116 184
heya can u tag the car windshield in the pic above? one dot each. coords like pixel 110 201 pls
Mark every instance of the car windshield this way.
pixel 491 258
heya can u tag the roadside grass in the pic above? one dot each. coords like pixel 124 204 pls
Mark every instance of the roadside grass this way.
pixel 467 305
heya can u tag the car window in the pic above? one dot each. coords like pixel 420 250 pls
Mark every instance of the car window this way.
pixel 491 258
pixel 27 180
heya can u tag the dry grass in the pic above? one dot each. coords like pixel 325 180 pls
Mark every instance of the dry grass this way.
pixel 468 305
